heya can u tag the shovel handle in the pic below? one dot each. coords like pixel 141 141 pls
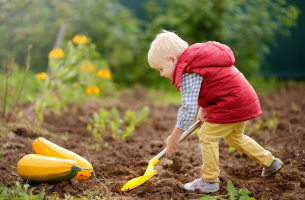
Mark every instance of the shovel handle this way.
pixel 183 136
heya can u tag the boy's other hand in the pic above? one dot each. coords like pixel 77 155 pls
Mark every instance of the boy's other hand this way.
pixel 201 114
pixel 173 141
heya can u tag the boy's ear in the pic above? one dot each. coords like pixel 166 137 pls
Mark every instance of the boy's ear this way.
pixel 172 58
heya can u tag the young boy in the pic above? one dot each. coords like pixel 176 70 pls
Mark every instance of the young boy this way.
pixel 206 76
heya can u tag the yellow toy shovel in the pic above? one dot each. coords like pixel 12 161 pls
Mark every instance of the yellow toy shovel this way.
pixel 150 172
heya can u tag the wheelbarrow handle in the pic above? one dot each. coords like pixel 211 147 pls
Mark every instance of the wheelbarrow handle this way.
pixel 183 136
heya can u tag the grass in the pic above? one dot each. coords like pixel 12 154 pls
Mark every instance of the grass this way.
pixel 15 190
pixel 165 97
pixel 15 82
pixel 2 148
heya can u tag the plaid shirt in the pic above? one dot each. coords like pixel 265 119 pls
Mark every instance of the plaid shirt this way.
pixel 190 87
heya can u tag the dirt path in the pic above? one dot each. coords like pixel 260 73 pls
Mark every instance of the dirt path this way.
pixel 116 162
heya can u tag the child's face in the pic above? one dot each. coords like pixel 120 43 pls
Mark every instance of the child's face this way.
pixel 167 69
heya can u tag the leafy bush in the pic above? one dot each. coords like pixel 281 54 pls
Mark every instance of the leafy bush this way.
pixel 75 71
pixel 235 23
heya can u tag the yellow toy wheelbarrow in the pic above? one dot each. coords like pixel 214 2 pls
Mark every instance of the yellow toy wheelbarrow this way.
pixel 150 172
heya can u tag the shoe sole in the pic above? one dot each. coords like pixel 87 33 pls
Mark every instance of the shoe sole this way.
pixel 275 170
pixel 207 191
pixel 211 191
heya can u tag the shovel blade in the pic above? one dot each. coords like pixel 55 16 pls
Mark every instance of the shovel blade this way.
pixel 150 172
pixel 133 183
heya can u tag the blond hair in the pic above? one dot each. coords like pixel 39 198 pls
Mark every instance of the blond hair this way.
pixel 166 43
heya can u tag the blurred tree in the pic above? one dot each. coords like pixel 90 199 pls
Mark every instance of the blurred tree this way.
pixel 27 22
pixel 246 26
pixel 111 27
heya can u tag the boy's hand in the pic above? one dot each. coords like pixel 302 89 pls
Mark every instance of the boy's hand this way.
pixel 173 141
pixel 201 114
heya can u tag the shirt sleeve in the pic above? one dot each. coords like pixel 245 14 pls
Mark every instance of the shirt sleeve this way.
pixel 190 88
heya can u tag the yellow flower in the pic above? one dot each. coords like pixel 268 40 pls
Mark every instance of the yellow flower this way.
pixel 41 76
pixel 75 84
pixel 88 68
pixel 104 73
pixel 80 39
pixel 92 90
pixel 56 53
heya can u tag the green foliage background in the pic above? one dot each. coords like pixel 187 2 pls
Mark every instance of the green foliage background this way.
pixel 248 27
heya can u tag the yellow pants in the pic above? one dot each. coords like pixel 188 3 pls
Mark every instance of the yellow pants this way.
pixel 234 136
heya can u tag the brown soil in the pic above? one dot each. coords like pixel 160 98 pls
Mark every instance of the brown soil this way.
pixel 117 161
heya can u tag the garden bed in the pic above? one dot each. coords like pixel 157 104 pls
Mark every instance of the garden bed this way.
pixel 117 161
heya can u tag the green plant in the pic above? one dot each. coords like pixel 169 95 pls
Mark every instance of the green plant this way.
pixel 65 137
pixel 99 121
pixel 272 122
pixel 132 118
pixel 76 71
pixel 12 166
pixel 208 198
pixel 95 147
pixel 142 115
pixel 19 191
pixel 232 149
pixel 9 90
pixel 295 107
pixel 110 120
pixel 242 194
pixel 92 194
pixel 4 146
pixel 232 193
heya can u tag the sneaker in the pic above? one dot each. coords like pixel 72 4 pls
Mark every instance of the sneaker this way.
pixel 200 184
pixel 275 166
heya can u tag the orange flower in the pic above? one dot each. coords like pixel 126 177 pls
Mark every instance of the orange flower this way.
pixel 88 68
pixel 56 53
pixel 92 90
pixel 80 39
pixel 104 73
pixel 41 76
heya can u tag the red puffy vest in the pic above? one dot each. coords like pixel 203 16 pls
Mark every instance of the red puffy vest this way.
pixel 225 92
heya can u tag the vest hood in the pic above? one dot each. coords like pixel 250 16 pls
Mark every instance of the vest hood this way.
pixel 209 54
